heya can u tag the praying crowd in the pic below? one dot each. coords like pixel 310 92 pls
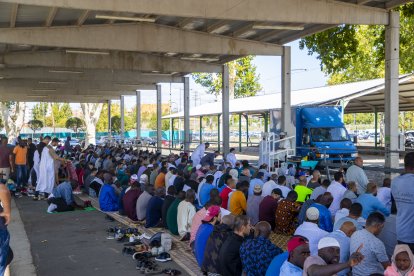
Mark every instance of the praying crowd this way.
pixel 236 218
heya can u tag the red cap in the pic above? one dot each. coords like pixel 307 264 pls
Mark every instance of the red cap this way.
pixel 295 242
pixel 212 211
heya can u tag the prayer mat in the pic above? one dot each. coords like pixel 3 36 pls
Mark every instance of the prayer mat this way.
pixel 280 240
pixel 87 209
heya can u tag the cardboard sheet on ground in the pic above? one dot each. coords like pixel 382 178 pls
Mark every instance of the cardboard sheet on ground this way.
pixel 87 209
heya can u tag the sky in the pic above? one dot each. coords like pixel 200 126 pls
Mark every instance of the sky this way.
pixel 306 73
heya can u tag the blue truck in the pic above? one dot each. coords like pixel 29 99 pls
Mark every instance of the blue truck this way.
pixel 321 135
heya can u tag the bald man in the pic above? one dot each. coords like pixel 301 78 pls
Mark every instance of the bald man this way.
pixel 343 236
pixel 256 254
pixel 356 173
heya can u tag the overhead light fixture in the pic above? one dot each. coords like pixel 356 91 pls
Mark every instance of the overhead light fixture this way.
pixel 44 90
pixel 200 59
pixel 87 52
pixel 278 27
pixel 156 74
pixel 65 72
pixel 1 77
pixel 52 82
pixel 37 96
pixel 124 18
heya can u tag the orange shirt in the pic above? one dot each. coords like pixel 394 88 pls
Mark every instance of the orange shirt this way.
pixel 160 181
pixel 21 154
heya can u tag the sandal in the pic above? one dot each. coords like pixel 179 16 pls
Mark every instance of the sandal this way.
pixel 172 272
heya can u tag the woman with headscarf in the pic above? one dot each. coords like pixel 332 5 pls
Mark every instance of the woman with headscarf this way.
pixel 402 262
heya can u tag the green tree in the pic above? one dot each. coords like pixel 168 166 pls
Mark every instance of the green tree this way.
pixel 102 125
pixel 39 112
pixel 35 125
pixel 116 124
pixel 61 113
pixel 350 53
pixel 75 124
pixel 243 79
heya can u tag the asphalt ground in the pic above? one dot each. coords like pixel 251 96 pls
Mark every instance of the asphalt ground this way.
pixel 74 243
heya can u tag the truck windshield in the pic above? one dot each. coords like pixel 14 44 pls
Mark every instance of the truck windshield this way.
pixel 329 134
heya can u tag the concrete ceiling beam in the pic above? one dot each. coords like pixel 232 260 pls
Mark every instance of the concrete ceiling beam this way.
pixel 136 37
pixel 113 61
pixel 292 11
pixel 115 76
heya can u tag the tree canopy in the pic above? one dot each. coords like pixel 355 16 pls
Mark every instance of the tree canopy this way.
pixel 54 114
pixel 350 53
pixel 75 124
pixel 243 79
pixel 35 125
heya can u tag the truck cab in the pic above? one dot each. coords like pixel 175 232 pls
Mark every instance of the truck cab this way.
pixel 321 134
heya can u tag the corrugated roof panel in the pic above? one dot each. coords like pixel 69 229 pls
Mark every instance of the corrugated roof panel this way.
pixel 66 17
pixel 31 16
pixel 5 13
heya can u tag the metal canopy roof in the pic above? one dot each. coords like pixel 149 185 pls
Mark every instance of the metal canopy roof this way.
pixel 158 40
pixel 361 97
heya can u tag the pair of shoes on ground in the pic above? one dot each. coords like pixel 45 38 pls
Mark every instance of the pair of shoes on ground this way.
pixel 147 267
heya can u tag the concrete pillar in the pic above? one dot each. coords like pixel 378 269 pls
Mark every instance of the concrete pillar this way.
pixel 138 113
pixel 392 44
pixel 218 133
pixel 186 82
pixel 201 129
pixel 122 116
pixel 159 114
pixel 376 127
pixel 287 125
pixel 225 110
pixel 240 132
pixel 109 120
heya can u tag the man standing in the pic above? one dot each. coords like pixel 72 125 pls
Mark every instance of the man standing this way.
pixel 376 259
pixel 20 160
pixel 47 172
pixel 31 148
pixel 357 174
pixel 198 153
pixel 231 157
pixel 6 159
pixel 402 190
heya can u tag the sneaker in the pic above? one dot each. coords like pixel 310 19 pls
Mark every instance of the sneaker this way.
pixel 17 195
pixel 35 197
pixel 163 257
pixel 161 250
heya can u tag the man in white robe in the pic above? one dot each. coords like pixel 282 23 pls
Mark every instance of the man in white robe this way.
pixel 47 175
pixel 198 153
pixel 231 157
